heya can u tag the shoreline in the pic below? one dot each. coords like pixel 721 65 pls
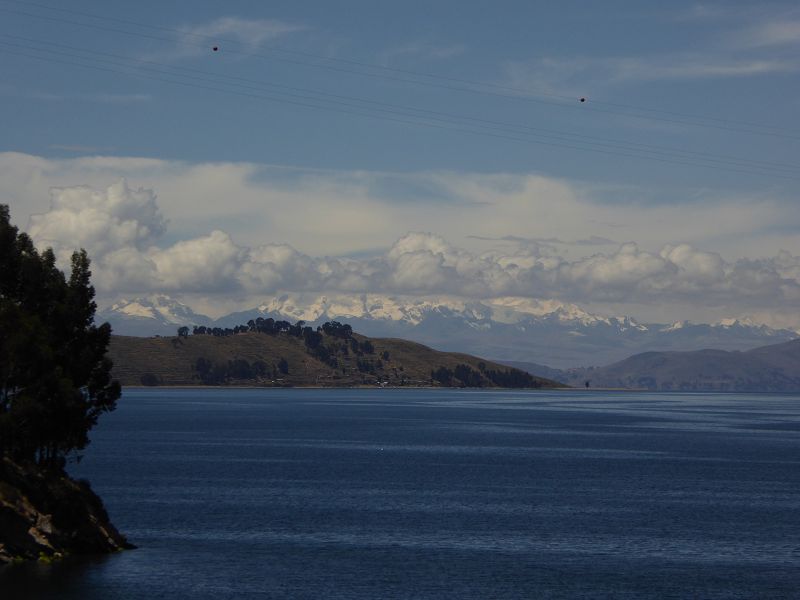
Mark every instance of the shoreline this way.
pixel 564 388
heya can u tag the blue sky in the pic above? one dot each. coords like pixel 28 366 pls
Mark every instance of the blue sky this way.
pixel 688 135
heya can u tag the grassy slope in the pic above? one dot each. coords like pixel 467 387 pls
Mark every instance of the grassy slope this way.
pixel 171 360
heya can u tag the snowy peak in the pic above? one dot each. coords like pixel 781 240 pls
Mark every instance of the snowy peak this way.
pixel 155 314
pixel 158 308
pixel 736 322
pixel 629 323
pixel 747 323
pixel 508 310
pixel 370 306
pixel 675 326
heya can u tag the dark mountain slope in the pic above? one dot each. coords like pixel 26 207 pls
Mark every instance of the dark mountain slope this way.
pixel 774 368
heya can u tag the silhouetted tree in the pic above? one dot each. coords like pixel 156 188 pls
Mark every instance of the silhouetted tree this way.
pixel 55 380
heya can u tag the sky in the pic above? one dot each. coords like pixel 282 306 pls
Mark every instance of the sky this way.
pixel 635 158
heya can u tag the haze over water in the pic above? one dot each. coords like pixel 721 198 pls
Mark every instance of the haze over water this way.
pixel 440 493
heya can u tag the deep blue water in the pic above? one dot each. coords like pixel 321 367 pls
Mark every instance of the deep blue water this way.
pixel 440 494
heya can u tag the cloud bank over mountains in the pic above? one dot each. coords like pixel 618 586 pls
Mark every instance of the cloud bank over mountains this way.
pixel 128 238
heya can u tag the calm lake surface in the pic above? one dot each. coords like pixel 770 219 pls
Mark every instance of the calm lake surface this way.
pixel 440 494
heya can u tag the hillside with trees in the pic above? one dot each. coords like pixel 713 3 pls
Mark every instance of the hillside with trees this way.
pixel 270 353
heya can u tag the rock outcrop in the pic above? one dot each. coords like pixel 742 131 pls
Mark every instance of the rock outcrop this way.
pixel 46 515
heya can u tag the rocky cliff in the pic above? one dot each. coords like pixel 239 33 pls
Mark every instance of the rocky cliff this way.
pixel 46 515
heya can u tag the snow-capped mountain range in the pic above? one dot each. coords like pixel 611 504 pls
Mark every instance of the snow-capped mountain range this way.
pixel 548 332
pixel 161 308
pixel 150 315
pixel 413 311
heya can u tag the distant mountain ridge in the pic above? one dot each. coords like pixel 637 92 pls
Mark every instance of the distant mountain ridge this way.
pixel 773 368
pixel 548 332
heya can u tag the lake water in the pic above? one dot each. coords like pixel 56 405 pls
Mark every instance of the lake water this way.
pixel 440 494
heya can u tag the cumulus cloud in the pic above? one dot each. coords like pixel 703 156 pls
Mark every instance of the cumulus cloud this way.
pixel 123 230
pixel 345 213
pixel 99 220
pixel 208 263
pixel 235 232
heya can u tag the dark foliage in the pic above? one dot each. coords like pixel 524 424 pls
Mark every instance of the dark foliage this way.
pixel 150 379
pixel 55 380
pixel 365 366
pixel 465 376
pixel 336 329
pixel 443 375
pixel 234 370
pixel 513 379
pixel 312 338
pixel 468 376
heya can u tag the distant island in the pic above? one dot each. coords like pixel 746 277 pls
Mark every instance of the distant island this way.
pixel 270 353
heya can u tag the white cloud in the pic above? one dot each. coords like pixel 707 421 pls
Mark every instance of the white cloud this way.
pixel 695 266
pixel 340 212
pixel 620 272
pixel 734 42
pixel 575 75
pixel 250 231
pixel 98 220
pixel 208 263
pixel 785 32
pixel 121 226
pixel 229 34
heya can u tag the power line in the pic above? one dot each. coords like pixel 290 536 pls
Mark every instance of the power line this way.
pixel 412 119
pixel 714 123
pixel 386 68
pixel 501 126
